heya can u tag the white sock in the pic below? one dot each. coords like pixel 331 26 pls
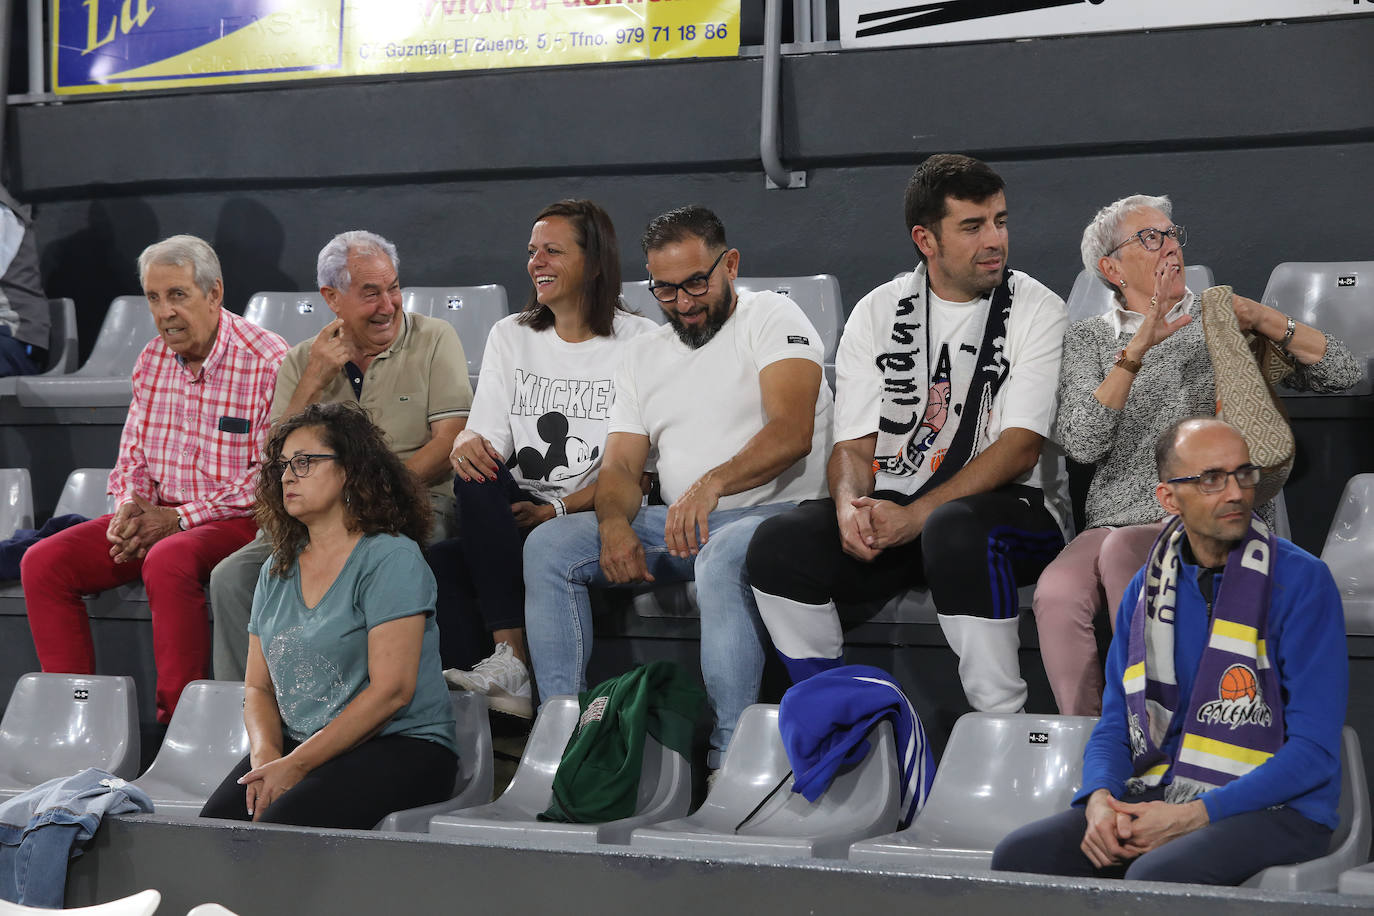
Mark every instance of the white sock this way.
pixel 807 637
pixel 988 664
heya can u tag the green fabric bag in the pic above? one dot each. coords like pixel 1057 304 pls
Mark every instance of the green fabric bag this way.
pixel 598 777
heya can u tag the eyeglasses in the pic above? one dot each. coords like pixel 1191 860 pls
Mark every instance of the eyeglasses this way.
pixel 1152 239
pixel 300 465
pixel 1213 480
pixel 695 285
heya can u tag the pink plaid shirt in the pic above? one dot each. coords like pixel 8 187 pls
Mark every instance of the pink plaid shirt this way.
pixel 195 442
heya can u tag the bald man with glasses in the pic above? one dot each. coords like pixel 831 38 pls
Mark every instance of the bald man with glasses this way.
pixel 1218 753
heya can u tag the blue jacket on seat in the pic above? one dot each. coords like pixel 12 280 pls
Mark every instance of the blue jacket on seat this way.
pixel 824 722
pixel 45 826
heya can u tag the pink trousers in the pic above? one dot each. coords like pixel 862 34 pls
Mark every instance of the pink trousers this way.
pixel 1088 577
pixel 58 570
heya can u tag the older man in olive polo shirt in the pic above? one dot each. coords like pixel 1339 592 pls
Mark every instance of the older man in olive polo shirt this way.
pixel 409 373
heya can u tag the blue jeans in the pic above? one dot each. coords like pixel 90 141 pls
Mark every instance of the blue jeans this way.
pixel 563 558
pixel 1225 852
pixel 15 358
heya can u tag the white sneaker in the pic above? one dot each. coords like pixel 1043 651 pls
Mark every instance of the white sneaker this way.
pixel 502 678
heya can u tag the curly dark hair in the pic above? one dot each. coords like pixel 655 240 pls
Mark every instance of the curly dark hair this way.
pixel 595 233
pixel 380 492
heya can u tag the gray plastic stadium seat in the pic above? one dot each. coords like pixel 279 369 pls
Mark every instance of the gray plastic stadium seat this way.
pixel 1349 553
pixel 144 903
pixel 1349 842
pixel 204 741
pixel 998 772
pixel 665 791
pixel 862 802
pixel 295 316
pixel 62 344
pixel 472 310
pixel 104 381
pixel 638 299
pixel 1335 296
pixel 1091 297
pixel 16 501
pixel 819 297
pixel 84 493
pixel 58 724
pixel 476 771
pixel 210 909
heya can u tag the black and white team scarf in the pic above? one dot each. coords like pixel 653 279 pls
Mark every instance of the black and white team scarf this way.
pixel 918 445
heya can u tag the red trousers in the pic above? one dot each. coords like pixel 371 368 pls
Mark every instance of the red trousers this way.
pixel 58 570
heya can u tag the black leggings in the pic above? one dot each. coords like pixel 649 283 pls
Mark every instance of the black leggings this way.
pixel 972 554
pixel 481 570
pixel 356 789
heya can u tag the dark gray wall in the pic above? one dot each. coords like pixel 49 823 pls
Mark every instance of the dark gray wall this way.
pixel 1264 135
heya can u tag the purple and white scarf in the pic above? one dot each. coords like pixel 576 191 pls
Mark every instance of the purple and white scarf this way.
pixel 1234 718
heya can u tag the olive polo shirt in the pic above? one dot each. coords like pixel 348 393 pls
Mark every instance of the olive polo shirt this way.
pixel 421 378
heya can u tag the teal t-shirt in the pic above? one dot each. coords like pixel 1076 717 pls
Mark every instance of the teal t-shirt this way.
pixel 317 657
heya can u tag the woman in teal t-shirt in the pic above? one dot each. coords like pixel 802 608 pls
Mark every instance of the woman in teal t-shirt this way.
pixel 347 711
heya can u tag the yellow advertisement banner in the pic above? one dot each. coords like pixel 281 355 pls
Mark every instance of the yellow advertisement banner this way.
pixel 109 45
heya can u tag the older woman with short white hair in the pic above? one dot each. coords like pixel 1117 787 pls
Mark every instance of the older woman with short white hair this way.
pixel 1126 375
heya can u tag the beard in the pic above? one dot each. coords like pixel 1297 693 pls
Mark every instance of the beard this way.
pixel 717 313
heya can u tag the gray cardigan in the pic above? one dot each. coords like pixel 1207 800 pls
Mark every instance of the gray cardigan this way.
pixel 1175 381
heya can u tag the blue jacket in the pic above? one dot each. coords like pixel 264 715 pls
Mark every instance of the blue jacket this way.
pixel 824 722
pixel 43 827
pixel 1306 640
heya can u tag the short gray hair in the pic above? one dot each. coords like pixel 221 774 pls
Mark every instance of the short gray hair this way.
pixel 1101 235
pixel 331 268
pixel 183 251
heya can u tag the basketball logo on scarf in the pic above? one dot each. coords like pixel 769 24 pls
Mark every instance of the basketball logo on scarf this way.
pixel 1239 701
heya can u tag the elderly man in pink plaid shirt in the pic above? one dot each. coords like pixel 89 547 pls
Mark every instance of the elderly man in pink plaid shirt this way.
pixel 183 484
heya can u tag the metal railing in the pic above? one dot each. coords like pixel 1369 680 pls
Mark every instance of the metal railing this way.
pixel 776 174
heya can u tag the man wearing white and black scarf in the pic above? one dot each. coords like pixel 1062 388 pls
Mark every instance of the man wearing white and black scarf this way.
pixel 945 393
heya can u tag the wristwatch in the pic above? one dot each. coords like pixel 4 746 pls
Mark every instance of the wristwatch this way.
pixel 1125 362
pixel 1288 334
pixel 181 521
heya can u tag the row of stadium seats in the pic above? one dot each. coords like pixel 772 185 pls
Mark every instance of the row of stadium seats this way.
pixel 1328 295
pixel 103 381
pixel 997 773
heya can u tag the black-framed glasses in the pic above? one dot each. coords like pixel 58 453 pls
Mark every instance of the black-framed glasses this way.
pixel 1213 480
pixel 695 285
pixel 300 465
pixel 1152 239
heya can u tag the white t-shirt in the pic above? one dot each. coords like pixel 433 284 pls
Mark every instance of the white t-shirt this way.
pixel 1035 336
pixel 700 407
pixel 546 402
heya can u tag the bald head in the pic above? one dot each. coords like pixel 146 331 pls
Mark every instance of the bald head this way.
pixel 1194 434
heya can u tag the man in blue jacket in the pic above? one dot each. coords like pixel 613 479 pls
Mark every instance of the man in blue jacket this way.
pixel 1219 749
